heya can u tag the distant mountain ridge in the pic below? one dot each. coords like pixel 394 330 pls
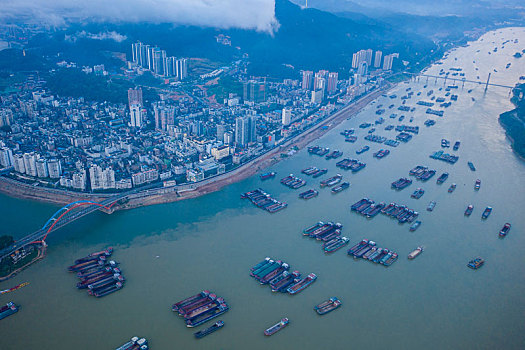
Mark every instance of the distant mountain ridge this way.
pixel 307 39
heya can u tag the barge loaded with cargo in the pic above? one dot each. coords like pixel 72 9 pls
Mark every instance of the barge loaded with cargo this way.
pixel 215 327
pixel 275 273
pixel 8 309
pixel 368 250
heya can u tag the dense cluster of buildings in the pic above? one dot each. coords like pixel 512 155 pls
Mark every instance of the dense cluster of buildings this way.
pixel 158 62
pixel 64 142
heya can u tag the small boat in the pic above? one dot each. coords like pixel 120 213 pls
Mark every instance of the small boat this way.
pixel 471 166
pixel 415 253
pixel 477 185
pixel 431 206
pixel 417 193
pixel 328 306
pixel 452 188
pixel 476 263
pixel 445 143
pixel 267 176
pixel 456 145
pixel 506 228
pixel 415 225
pixel 469 210
pixel 8 309
pixel 486 212
pixel 277 327
pixel 201 334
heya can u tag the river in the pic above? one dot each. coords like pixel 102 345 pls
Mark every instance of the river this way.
pixel 171 251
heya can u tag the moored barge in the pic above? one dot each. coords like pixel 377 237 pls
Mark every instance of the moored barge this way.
pixel 277 327
pixel 328 306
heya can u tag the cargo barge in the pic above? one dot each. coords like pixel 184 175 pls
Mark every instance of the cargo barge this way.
pixel 452 188
pixel 477 185
pixel 334 154
pixel 335 244
pixel 277 327
pixel 362 149
pixel 440 155
pixel 308 194
pixel 476 263
pixel 328 306
pixel 418 193
pixel 368 250
pixel 200 308
pixel 135 343
pixel 471 166
pixel 402 183
pixel 340 187
pixel 216 326
pixel 8 309
pixel 302 284
pixel 351 164
pixel 469 210
pixel 422 173
pixel 415 226
pixel 415 253
pixel 263 200
pixel 267 176
pixel 319 151
pixel 504 230
pixel 334 180
pixel 381 153
pixel 293 182
pixel 442 178
pixel 431 206
pixel 486 212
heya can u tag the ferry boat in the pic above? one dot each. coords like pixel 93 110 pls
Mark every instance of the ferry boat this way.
pixel 469 210
pixel 267 176
pixel 486 212
pixel 471 166
pixel 476 263
pixel 506 228
pixel 456 145
pixel 216 326
pixel 135 343
pixel 415 225
pixel 302 284
pixel 477 185
pixel 431 206
pixel 415 253
pixel 452 188
pixel 340 187
pixel 277 327
pixel 8 309
pixel 328 306
pixel 442 178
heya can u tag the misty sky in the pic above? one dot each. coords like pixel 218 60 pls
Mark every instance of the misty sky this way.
pixel 249 14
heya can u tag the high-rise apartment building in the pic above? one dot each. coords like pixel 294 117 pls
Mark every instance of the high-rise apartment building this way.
pixel 377 59
pixel 331 86
pixel 254 91
pixel 245 130
pixel 308 80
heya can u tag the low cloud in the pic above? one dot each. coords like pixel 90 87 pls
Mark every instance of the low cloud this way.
pixel 247 14
pixel 98 36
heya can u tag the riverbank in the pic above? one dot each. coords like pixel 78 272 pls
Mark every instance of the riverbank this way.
pixel 514 121
pixel 161 195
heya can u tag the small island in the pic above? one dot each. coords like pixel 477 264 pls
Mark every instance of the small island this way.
pixel 514 121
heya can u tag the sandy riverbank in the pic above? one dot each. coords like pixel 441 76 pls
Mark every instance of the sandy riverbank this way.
pixel 165 195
